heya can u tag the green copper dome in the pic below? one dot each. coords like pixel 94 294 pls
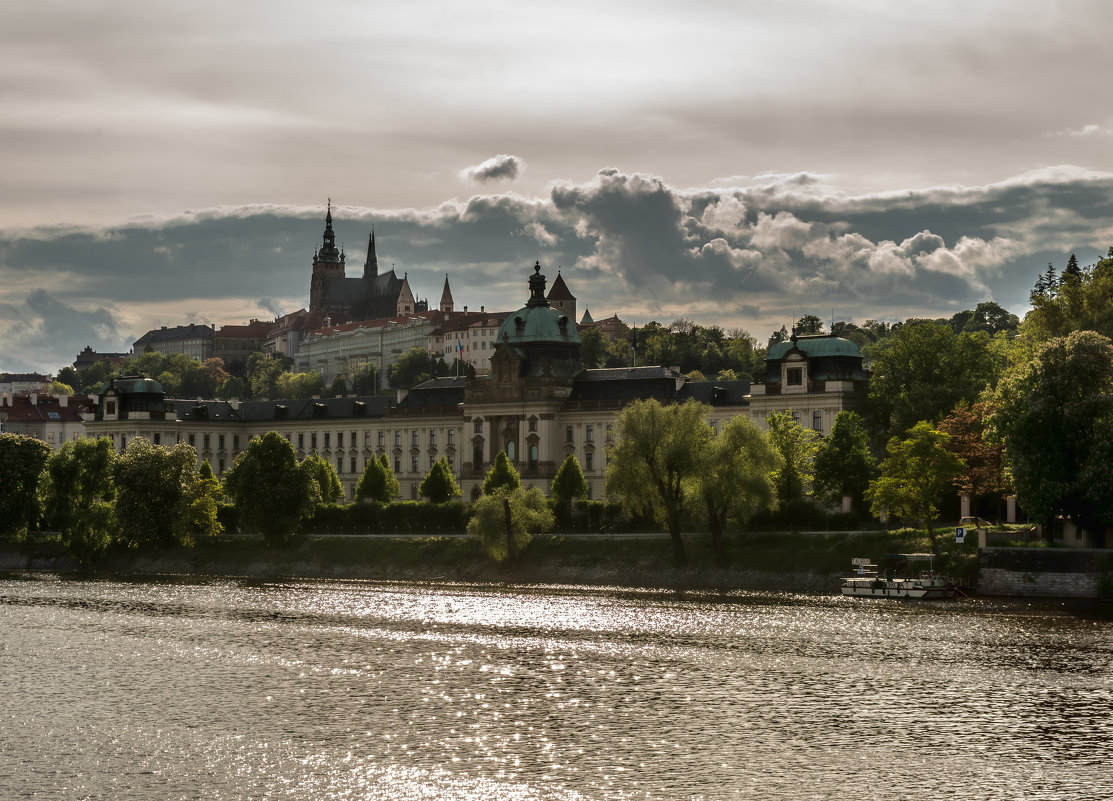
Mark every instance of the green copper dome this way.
pixel 815 346
pixel 537 321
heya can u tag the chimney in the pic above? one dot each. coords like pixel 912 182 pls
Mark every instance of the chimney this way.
pixel 5 399
pixel 34 398
pixel 482 309
pixel 63 400
pixel 465 310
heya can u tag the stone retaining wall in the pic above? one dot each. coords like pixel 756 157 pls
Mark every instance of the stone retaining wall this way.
pixel 1045 572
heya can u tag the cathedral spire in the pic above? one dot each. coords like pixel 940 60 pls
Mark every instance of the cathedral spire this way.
pixel 328 251
pixel 371 266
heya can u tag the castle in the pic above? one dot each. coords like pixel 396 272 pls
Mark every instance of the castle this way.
pixel 371 296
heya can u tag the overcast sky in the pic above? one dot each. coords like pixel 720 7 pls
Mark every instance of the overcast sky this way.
pixel 732 162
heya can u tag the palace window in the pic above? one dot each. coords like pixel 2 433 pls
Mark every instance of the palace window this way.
pixel 817 421
pixel 795 376
pixel 327 443
pixel 590 434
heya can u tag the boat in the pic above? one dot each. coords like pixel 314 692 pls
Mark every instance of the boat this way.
pixel 895 580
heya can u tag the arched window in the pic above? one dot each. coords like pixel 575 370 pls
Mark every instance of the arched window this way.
pixel 511 451
pixel 533 457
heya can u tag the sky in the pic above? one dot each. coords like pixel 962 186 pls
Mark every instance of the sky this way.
pixel 730 162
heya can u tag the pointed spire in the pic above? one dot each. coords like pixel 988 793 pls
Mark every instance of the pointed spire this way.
pixel 446 304
pixel 537 287
pixel 371 265
pixel 587 319
pixel 328 252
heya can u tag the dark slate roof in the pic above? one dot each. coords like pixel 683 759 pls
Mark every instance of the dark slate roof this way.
pixel 435 393
pixel 716 393
pixel 559 290
pixel 282 409
pixel 164 334
pixel 625 383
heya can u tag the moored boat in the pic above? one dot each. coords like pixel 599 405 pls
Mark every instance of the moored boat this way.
pixel 871 581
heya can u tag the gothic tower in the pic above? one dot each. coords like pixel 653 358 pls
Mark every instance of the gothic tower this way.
pixel 328 264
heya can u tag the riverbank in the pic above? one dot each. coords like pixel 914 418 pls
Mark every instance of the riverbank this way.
pixel 808 563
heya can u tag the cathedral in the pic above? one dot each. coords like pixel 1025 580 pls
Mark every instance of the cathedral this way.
pixel 369 297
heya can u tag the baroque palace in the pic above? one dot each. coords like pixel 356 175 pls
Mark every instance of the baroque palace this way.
pixel 536 403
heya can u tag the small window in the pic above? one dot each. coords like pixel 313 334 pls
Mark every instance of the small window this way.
pixel 413 464
pixel 351 438
pixel 382 438
pixel 589 461
pixel 110 407
pixel 220 441
pixel 478 426
pixel 416 438
pixel 817 421
pixel 301 441
pixel 193 440
pixel 590 433
pixel 313 441
pixel 795 376
pixel 328 444
pixel 432 437
pixel 235 442
pixel 452 462
pixel 397 439
pixel 568 434
pixel 158 438
pixel 220 467
pixel 533 424
pixel 397 464
pixel 451 437
pixel 339 464
pixel 533 457
pixel 352 464
pixel 205 442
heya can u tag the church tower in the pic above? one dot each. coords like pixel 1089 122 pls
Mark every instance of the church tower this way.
pixel 446 296
pixel 328 264
pixel 406 304
pixel 561 299
pixel 371 266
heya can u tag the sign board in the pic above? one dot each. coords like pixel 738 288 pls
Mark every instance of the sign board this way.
pixel 859 560
pixel 960 534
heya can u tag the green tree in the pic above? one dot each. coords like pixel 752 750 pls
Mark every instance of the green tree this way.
pixel 199 508
pixel 844 465
pixel 413 367
pixel 269 489
pixel 808 325
pixel 797 447
pixel 68 376
pixel 299 385
pixel 323 474
pixel 735 479
pixel 984 470
pixel 922 372
pixel 916 474
pixel 508 519
pixel 439 485
pixel 152 484
pixel 1082 301
pixel 593 347
pixel 263 372
pixel 78 496
pixel 22 460
pixel 656 455
pixel 378 482
pixel 1054 414
pixel 569 484
pixel 501 474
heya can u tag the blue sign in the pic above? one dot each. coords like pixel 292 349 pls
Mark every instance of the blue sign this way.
pixel 960 534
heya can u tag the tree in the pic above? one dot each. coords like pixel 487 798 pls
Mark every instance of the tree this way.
pixel 922 372
pixel 262 375
pixel 413 367
pixel 916 474
pixel 1082 301
pixel 569 484
pixel 439 485
pixel 593 347
pixel 152 484
pixel 22 460
pixel 507 520
pixel 656 454
pixel 378 482
pixel 199 514
pixel 735 479
pixel 797 447
pixel 270 490
pixel 501 474
pixel 844 465
pixel 323 474
pixel 78 496
pixel 984 471
pixel 808 325
pixel 1053 415
pixel 299 385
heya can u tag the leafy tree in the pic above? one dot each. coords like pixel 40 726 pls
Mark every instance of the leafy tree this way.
pixel 569 484
pixel 844 465
pixel 501 474
pixel 323 474
pixel 808 325
pixel 413 367
pixel 988 317
pixel 507 520
pixel 439 485
pixel 922 372
pixel 593 347
pixel 378 482
pixel 299 385
pixel 152 484
pixel 1084 302
pixel 270 490
pixel 199 513
pixel 22 460
pixel 1073 273
pixel 916 474
pixel 1054 415
pixel 232 387
pixel 263 372
pixel 797 447
pixel 656 454
pixel 735 479
pixel 78 495
pixel 58 388
pixel 778 336
pixel 984 471
pixel 68 376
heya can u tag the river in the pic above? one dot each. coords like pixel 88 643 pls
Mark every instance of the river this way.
pixel 228 689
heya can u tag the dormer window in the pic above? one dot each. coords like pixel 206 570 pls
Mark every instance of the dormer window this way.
pixel 795 376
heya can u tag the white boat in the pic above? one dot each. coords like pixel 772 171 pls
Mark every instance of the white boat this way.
pixel 871 582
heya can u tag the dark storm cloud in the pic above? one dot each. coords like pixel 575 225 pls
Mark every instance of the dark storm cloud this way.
pixel 748 255
pixel 498 168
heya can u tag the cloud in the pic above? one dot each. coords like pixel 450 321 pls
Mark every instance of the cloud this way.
pixel 744 253
pixel 497 168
